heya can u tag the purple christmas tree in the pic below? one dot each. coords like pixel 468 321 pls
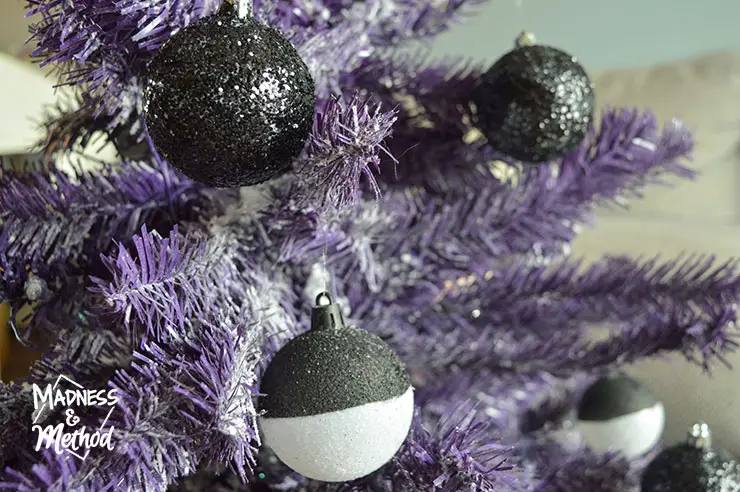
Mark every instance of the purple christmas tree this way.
pixel 177 295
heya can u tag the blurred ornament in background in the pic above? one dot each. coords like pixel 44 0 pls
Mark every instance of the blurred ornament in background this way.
pixel 536 103
pixel 337 401
pixel 693 466
pixel 229 101
pixel 617 413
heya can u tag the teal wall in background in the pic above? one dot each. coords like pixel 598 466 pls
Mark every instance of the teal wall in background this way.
pixel 601 33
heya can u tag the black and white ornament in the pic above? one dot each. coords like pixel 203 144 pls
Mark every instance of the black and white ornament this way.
pixel 694 466
pixel 338 402
pixel 617 413
pixel 535 104
pixel 228 101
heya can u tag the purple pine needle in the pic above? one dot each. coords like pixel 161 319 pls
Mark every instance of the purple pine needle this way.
pixel 459 453
pixel 347 143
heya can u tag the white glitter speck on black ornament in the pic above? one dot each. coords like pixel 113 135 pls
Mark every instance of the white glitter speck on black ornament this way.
pixel 229 102
pixel 535 104
pixel 338 402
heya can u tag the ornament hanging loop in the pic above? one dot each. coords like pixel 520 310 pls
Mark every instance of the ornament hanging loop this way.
pixel 324 299
pixel 326 315
pixel 244 8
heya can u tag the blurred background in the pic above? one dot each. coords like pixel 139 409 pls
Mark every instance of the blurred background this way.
pixel 679 58
pixel 604 34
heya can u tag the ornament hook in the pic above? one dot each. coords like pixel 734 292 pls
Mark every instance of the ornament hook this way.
pixel 324 296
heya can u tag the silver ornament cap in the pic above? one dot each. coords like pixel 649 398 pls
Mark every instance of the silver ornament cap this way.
pixel 700 436
pixel 326 315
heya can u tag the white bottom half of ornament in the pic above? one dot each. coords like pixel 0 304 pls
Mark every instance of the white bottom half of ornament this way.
pixel 343 445
pixel 633 434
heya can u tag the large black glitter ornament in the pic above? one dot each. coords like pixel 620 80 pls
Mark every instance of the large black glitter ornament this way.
pixel 535 104
pixel 337 401
pixel 693 467
pixel 228 101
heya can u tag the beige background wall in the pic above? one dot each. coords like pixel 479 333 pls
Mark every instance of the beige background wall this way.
pixel 13 27
pixel 701 217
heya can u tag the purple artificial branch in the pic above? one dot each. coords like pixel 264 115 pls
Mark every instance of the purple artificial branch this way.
pixel 537 216
pixel 16 402
pixel 66 129
pixel 459 453
pixel 441 306
pixel 438 148
pixel 167 286
pixel 407 20
pixel 302 15
pixel 345 145
pixel 547 400
pixel 53 473
pixel 702 337
pixel 194 398
pixel 87 350
pixel 387 23
pixel 330 54
pixel 678 306
pixel 613 290
pixel 164 285
pixel 61 223
pixel 104 46
pixel 538 318
pixel 435 117
pixel 182 402
pixel 545 205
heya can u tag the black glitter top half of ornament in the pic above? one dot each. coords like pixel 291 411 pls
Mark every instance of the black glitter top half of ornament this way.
pixel 684 468
pixel 535 104
pixel 329 370
pixel 229 101
pixel 613 397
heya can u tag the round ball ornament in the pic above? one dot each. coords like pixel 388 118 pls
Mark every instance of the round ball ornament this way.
pixel 338 402
pixel 535 104
pixel 617 413
pixel 693 466
pixel 228 101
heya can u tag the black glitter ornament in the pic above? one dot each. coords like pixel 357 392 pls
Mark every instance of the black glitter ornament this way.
pixel 228 101
pixel 692 467
pixel 618 413
pixel 337 401
pixel 535 104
